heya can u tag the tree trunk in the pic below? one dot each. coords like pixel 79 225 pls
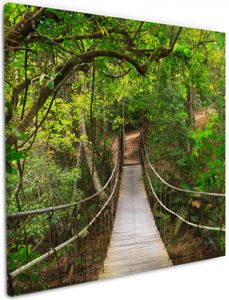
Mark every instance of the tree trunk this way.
pixel 89 157
pixel 190 106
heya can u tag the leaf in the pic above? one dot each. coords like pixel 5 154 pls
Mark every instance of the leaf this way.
pixel 101 28
pixel 211 87
pixel 51 84
pixel 15 155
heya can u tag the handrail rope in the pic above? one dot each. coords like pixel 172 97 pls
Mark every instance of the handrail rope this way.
pixel 82 233
pixel 176 214
pixel 177 188
pixel 63 206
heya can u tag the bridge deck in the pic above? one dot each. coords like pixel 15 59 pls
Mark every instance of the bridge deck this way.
pixel 135 245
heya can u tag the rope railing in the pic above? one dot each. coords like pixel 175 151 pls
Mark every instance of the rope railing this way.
pixel 82 233
pixel 144 154
pixel 83 244
pixel 177 188
pixel 26 213
pixel 177 215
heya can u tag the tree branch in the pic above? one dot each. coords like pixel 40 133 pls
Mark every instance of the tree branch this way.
pixel 116 76
pixel 26 88
pixel 94 35
pixel 91 55
pixel 176 38
pixel 14 98
pixel 20 49
pixel 79 59
pixel 137 33
pixel 23 29
pixel 46 114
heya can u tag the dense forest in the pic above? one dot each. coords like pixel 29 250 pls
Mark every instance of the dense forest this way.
pixel 73 83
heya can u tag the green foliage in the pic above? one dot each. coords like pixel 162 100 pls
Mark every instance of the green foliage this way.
pixel 12 156
pixel 209 142
pixel 117 123
pixel 44 159
pixel 53 185
pixel 19 256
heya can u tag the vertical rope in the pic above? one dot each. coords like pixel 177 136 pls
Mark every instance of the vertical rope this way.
pixel 51 241
pixel 27 256
pixel 58 266
pixel 86 251
pixel 10 285
pixel 80 253
pixel 92 246
pixel 101 232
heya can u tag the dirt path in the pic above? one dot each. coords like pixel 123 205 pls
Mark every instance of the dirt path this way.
pixel 131 154
pixel 202 116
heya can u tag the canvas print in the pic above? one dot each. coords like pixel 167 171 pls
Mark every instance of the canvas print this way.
pixel 115 146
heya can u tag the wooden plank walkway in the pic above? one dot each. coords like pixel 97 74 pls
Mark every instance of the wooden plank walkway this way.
pixel 135 245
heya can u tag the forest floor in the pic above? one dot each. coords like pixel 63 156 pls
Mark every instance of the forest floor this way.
pixel 202 116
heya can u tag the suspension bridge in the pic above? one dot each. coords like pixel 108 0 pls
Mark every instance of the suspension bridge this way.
pixel 136 244
pixel 121 238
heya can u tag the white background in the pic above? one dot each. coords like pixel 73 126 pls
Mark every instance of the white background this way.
pixel 202 280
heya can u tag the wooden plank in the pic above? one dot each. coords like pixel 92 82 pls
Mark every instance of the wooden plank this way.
pixel 135 245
